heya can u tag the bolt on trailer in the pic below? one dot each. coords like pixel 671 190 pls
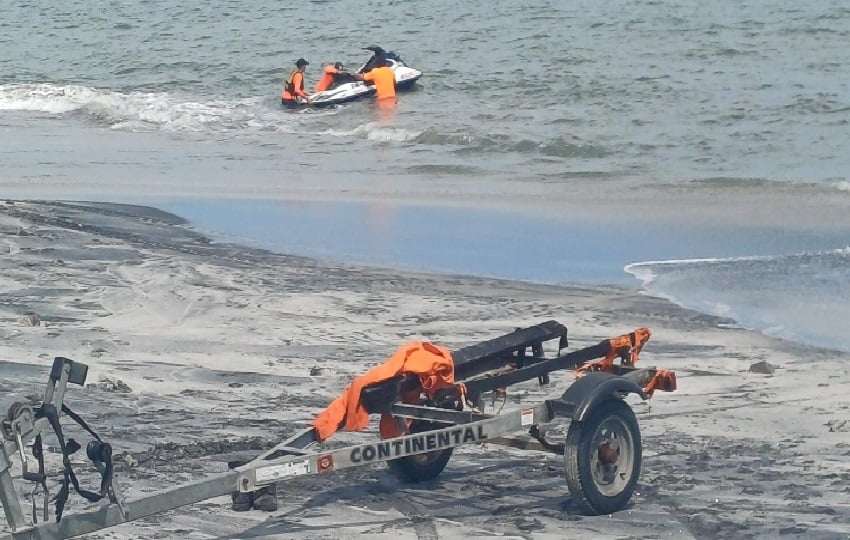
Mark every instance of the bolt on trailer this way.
pixel 602 449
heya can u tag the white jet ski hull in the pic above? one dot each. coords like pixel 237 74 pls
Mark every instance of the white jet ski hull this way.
pixel 405 78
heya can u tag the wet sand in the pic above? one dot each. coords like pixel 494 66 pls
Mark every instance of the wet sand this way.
pixel 214 346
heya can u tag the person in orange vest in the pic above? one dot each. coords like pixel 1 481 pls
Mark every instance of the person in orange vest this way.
pixel 294 86
pixel 383 77
pixel 330 76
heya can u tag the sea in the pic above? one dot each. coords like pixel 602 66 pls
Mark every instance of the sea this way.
pixel 695 150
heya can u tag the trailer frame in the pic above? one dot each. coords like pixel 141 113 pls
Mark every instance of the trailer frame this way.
pixel 593 403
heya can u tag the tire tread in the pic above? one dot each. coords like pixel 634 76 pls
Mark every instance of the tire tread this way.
pixel 577 458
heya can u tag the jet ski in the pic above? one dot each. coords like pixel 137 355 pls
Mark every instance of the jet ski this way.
pixel 346 89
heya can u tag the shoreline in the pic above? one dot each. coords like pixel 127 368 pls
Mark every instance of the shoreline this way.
pixel 744 202
pixel 217 342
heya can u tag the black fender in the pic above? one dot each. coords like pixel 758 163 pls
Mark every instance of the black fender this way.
pixel 589 391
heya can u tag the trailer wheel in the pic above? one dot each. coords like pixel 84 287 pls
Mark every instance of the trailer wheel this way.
pixel 421 467
pixel 602 458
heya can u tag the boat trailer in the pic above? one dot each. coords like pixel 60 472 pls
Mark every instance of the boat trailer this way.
pixel 602 450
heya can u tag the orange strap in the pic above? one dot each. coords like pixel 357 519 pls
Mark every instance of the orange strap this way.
pixel 619 346
pixel 663 380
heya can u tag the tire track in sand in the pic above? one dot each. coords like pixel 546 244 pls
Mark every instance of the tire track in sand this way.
pixel 423 525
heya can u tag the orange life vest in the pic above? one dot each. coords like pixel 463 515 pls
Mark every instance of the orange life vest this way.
pixel 327 79
pixel 431 362
pixel 293 86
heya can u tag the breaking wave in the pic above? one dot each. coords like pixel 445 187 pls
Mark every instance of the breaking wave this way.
pixel 802 297
pixel 373 131
pixel 142 111
pixel 467 143
pixel 162 111
pixel 559 147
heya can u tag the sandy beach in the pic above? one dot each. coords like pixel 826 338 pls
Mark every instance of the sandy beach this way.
pixel 197 348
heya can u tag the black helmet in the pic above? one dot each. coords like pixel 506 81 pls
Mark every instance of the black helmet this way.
pixel 301 62
pixel 338 66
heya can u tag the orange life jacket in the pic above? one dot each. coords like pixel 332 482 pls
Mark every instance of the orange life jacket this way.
pixel 431 362
pixel 293 87
pixel 327 79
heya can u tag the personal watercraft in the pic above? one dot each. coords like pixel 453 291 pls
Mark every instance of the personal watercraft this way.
pixel 346 88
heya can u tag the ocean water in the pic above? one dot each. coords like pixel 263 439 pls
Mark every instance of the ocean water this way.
pixel 801 297
pixel 726 123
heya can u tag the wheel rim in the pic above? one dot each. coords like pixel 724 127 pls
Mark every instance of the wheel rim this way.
pixel 612 457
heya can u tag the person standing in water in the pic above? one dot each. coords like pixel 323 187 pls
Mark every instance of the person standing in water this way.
pixel 383 77
pixel 294 86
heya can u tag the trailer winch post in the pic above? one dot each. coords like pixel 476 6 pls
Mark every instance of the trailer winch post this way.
pixel 20 426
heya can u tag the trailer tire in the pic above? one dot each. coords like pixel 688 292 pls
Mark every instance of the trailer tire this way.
pixel 421 467
pixel 602 458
